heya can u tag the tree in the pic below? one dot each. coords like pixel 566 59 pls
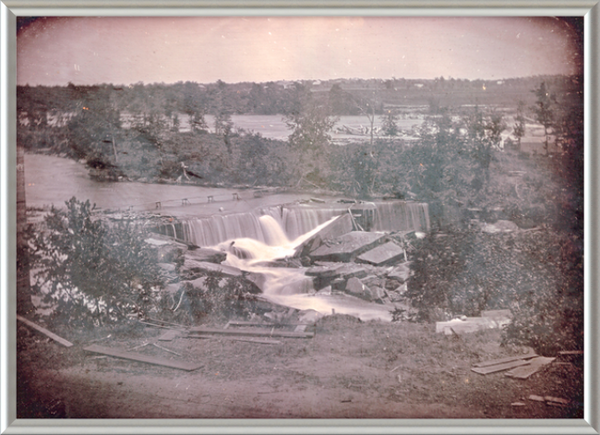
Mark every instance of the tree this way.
pixel 544 111
pixel 519 128
pixel 92 271
pixel 310 123
pixel 483 137
pixel 389 121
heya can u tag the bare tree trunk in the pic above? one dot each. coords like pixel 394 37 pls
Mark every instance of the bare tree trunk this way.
pixel 24 303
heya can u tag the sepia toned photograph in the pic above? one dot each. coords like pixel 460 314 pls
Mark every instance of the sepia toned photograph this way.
pixel 300 217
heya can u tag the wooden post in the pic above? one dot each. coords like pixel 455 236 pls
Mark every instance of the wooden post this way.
pixel 24 304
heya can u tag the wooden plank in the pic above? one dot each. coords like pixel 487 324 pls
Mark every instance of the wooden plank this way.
pixel 204 330
pixel 504 360
pixel 169 335
pixel 176 325
pixel 534 366
pixel 249 340
pixel 570 352
pixel 181 365
pixel 498 367
pixel 266 325
pixel 551 399
pixel 44 331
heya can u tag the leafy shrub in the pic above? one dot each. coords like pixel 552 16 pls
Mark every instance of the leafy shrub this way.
pixel 538 275
pixel 92 272
pixel 217 298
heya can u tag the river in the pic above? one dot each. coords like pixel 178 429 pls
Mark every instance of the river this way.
pixel 51 180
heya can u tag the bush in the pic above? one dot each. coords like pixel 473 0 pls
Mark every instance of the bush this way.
pixel 92 272
pixel 538 275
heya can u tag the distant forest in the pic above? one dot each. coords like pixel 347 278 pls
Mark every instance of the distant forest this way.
pixel 343 96
pixel 134 132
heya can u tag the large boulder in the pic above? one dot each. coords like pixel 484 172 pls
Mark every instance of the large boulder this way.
pixel 348 246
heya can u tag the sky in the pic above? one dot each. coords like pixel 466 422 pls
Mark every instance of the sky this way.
pixel 126 50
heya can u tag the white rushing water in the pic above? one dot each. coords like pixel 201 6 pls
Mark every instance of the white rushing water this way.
pixel 290 286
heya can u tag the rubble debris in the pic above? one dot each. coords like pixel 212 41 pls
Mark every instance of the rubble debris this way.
pixel 44 331
pixel 501 318
pixel 382 255
pixel 501 226
pixel 493 319
pixel 348 246
pixel 535 365
pixel 181 365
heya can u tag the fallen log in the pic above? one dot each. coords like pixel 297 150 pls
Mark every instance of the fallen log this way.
pixel 44 331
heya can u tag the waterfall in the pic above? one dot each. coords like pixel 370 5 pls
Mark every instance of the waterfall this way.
pixel 254 239
pixel 277 225
pixel 401 216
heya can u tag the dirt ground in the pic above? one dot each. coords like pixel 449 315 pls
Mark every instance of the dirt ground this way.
pixel 349 369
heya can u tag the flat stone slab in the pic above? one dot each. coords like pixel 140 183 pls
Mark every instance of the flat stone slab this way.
pixel 207 254
pixel 340 226
pixel 348 246
pixel 193 266
pixel 358 289
pixel 388 253
pixel 400 273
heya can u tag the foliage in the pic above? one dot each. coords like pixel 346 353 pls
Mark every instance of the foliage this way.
pixel 91 271
pixel 310 122
pixel 389 121
pixel 218 298
pixel 543 109
pixel 519 128
pixel 537 275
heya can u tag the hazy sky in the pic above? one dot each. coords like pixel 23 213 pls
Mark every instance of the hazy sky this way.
pixel 88 50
